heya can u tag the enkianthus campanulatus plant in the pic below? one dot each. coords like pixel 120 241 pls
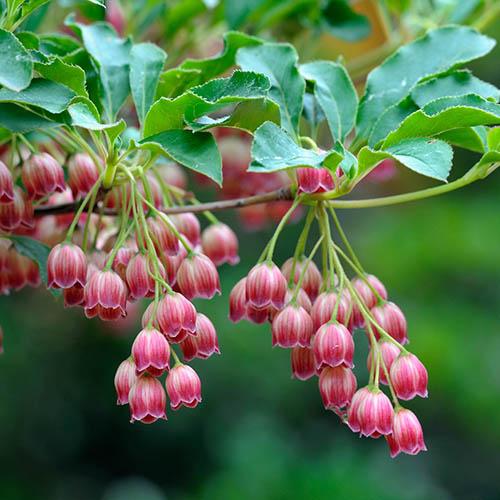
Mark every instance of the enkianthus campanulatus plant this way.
pixel 94 199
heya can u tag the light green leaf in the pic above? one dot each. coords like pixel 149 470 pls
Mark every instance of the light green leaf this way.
pixel 429 157
pixel 192 72
pixel 20 120
pixel 69 75
pixel 455 84
pixel 445 114
pixel 34 250
pixel 16 67
pixel 166 114
pixel 471 138
pixel 112 55
pixel 44 94
pixel 494 139
pixel 273 149
pixel 29 40
pixel 84 114
pixel 335 94
pixel 30 5
pixel 57 44
pixel 146 63
pixel 436 52
pixel 279 63
pixel 197 151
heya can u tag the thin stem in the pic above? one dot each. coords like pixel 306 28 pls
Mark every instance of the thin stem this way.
pixel 281 225
pixel 301 243
pixel 304 269
pixel 344 239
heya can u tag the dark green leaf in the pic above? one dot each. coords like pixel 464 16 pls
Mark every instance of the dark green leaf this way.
pixel 343 22
pixel 279 63
pixel 436 52
pixel 112 55
pixel 34 250
pixel 197 151
pixel 335 93
pixel 273 149
pixel 69 75
pixel 445 114
pixel 16 67
pixel 57 44
pixel 146 64
pixel 455 84
pixel 20 120
pixel 29 40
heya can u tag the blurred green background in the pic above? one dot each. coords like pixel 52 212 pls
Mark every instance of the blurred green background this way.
pixel 258 434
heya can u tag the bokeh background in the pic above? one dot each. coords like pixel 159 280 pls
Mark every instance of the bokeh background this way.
pixel 259 434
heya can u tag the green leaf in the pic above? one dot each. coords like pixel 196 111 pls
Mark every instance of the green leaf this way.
pixel 44 94
pixel 84 114
pixel 30 5
pixel 471 138
pixel 335 93
pixel 197 71
pixel 436 52
pixel 112 55
pixel 445 114
pixel 279 63
pixel 69 75
pixel 429 157
pixel 16 67
pixel 34 250
pixel 166 114
pixel 146 63
pixel 494 139
pixel 29 40
pixel 343 22
pixel 273 149
pixel 57 44
pixel 197 151
pixel 20 120
pixel 455 84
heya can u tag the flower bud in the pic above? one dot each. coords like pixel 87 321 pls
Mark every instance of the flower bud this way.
pixel 125 378
pixel 312 278
pixel 174 313
pixel 82 174
pixel 409 377
pixel 314 180
pixel 337 386
pixel 139 276
pixel 407 435
pixel 302 361
pixel 266 286
pixel 42 175
pixel 204 343
pixel 390 317
pixel 367 296
pixel 121 261
pixel 198 277
pixel 292 327
pixel 164 240
pixel 370 413
pixel 66 266
pixel 238 301
pixel 389 353
pixel 333 346
pixel 151 352
pixel 105 296
pixel 183 387
pixel 323 307
pixel 6 184
pixel 147 400
pixel 189 225
pixel 220 244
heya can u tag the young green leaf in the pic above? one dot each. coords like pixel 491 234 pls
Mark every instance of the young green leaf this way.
pixel 429 157
pixel 30 5
pixel 70 75
pixel 112 55
pixel 84 114
pixel 335 93
pixel 166 114
pixel 454 84
pixel 146 64
pixel 44 94
pixel 436 52
pixel 274 149
pixel 197 151
pixel 279 63
pixel 493 139
pixel 21 120
pixel 16 66
pixel 445 114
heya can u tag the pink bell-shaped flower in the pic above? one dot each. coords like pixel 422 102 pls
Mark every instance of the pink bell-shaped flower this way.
pixel 337 386
pixel 333 346
pixel 183 387
pixel 147 400
pixel 151 352
pixel 220 244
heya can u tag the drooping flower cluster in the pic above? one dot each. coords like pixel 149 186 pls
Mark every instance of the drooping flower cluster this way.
pixel 317 314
